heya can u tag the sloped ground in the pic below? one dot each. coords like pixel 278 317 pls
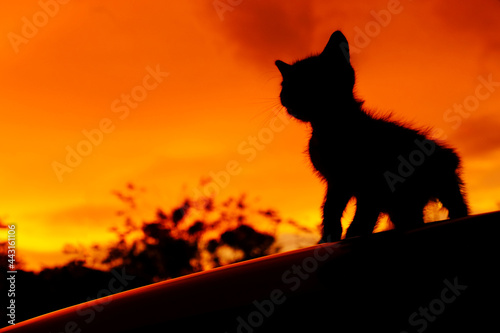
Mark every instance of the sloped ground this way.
pixel 439 278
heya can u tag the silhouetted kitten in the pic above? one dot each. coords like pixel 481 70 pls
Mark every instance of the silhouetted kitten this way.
pixel 385 166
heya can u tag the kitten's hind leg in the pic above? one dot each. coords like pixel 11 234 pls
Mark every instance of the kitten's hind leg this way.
pixel 407 217
pixel 364 220
pixel 452 197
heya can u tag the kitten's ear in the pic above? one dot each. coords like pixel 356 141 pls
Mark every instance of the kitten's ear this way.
pixel 283 67
pixel 337 47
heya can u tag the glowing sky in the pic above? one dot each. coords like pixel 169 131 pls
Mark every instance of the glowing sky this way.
pixel 179 89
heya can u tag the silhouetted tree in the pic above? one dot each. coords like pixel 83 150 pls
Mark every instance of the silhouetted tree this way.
pixel 198 234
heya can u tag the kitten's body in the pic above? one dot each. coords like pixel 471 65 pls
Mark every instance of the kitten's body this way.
pixel 387 167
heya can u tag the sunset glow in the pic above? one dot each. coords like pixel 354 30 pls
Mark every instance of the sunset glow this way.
pixel 95 95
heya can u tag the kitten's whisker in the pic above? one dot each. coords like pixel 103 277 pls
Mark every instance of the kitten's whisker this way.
pixel 269 112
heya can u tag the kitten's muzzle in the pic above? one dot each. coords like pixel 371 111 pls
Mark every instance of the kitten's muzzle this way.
pixel 296 114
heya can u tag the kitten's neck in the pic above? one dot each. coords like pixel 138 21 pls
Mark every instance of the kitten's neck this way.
pixel 341 115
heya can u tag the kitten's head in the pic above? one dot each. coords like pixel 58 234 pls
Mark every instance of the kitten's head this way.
pixel 320 82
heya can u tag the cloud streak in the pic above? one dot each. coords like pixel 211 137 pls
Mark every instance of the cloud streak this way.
pixel 479 135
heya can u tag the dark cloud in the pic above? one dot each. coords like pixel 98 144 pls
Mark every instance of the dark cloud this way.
pixel 469 18
pixel 264 30
pixel 472 23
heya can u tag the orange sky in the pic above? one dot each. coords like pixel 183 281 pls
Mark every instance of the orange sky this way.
pixel 71 71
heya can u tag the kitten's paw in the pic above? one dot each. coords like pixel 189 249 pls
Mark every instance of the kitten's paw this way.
pixel 328 239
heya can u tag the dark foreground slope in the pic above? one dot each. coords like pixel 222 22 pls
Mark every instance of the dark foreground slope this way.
pixel 440 278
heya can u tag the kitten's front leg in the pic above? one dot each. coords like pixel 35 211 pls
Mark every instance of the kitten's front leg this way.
pixel 333 208
pixel 364 219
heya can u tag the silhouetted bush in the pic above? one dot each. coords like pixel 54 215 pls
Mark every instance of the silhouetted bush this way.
pixel 199 234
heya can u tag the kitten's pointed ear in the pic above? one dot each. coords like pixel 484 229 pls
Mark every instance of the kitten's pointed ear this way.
pixel 283 67
pixel 337 47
